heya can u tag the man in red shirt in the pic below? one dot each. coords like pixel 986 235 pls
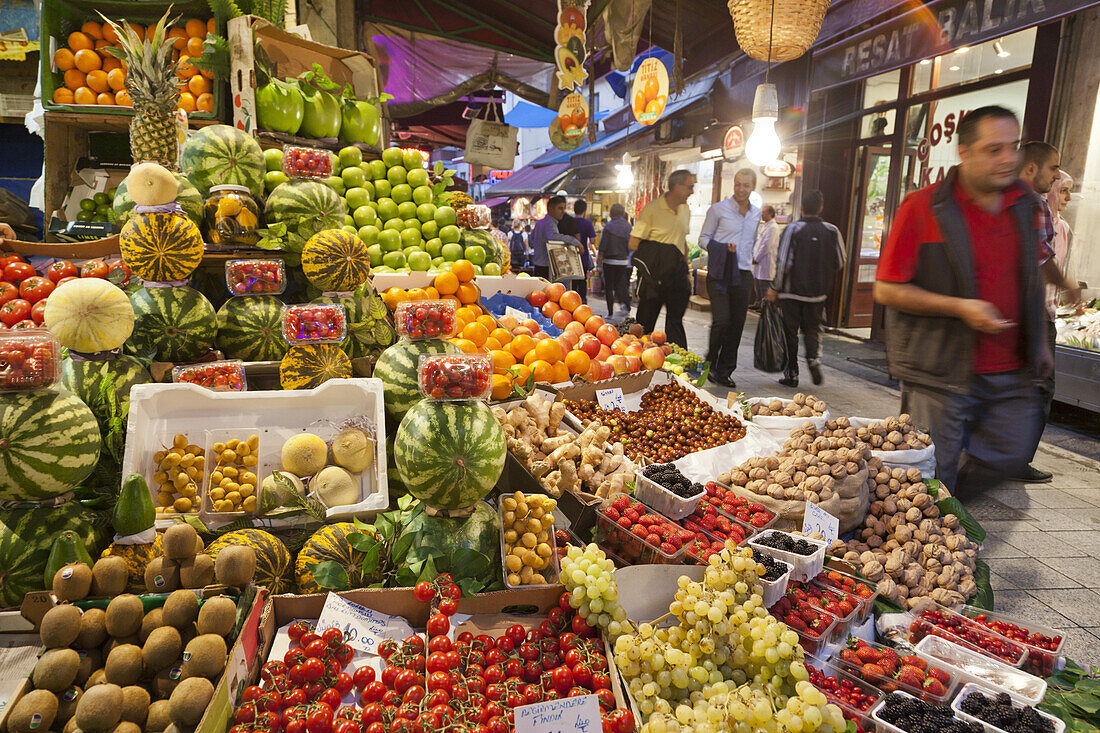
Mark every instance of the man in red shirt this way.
pixel 965 326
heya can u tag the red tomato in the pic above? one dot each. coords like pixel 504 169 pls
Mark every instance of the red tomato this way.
pixel 35 288
pixel 60 270
pixel 14 311
pixel 7 292
pixel 8 259
pixel 38 312
pixel 64 280
pixel 16 272
pixel 25 324
pixel 95 268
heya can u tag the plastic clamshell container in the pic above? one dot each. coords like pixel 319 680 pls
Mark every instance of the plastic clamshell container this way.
pixel 213 464
pixel 29 359
pixel 550 572
pixel 921 627
pixel 889 684
pixel 861 718
pixel 776 589
pixel 220 376
pixel 665 502
pixel 629 547
pixel 971 666
pixel 969 687
pixel 721 509
pixel 426 319
pixel 704 535
pixel 324 323
pixel 713 534
pixel 844 623
pixel 803 567
pixel 881 726
pixel 451 377
pixel 303 162
pixel 1040 661
pixel 255 277
pixel 813 644
pixel 866 604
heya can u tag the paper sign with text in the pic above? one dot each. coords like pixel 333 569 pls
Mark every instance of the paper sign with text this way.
pixel 817 519
pixel 610 399
pixel 579 714
pixel 516 313
pixel 364 628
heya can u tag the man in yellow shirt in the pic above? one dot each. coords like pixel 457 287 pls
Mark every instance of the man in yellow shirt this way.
pixel 659 239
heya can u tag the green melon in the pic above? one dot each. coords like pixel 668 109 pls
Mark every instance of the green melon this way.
pixel 98 383
pixel 187 196
pixel 176 324
pixel 49 443
pixel 250 328
pixel 397 368
pixel 450 454
pixel 306 207
pixel 220 154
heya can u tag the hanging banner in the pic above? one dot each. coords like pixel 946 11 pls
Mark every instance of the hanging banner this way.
pixel 567 129
pixel 650 91
pixel 733 144
pixel 570 52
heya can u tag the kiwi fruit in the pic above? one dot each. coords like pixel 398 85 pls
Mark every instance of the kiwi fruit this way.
pixel 135 704
pixel 187 633
pixel 217 616
pixel 204 656
pixel 235 565
pixel 167 679
pixel 181 608
pixel 66 704
pixel 99 709
pixel 161 648
pixel 197 572
pixel 93 628
pixel 56 670
pixel 98 677
pixel 153 620
pixel 70 726
pixel 90 661
pixel 124 614
pixel 60 625
pixel 158 719
pixel 35 711
pixel 107 648
pixel 110 576
pixel 124 665
pixel 180 541
pixel 126 727
pixel 72 582
pixel 162 575
pixel 173 728
pixel 189 701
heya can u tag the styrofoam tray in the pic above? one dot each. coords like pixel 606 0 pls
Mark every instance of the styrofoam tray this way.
pixel 1058 723
pixel 803 567
pixel 970 666
pixel 159 411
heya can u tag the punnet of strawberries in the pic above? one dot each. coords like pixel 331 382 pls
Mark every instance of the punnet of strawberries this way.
pixel 812 624
pixel 840 604
pixel 846 583
pixel 630 528
pixel 889 671
pixel 734 505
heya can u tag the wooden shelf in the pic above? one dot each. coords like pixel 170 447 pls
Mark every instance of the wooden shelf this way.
pixel 113 122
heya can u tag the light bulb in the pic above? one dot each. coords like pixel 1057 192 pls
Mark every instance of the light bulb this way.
pixel 625 179
pixel 763 145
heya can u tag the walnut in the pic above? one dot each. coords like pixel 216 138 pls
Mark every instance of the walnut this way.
pixel 922 501
pixel 874 541
pixel 876 441
pixel 783 479
pixel 912 575
pixel 793 493
pixel 882 478
pixel 739 477
pixel 843 422
pixel 775 405
pixel 873 571
pixel 798 477
pixel 826 494
pixel 866 557
pixel 931 511
pixel 932 565
pixel 882 492
pixel 852 468
pixel 775 491
pixel 950 521
pixel 771 463
pixel 920 536
pixel 812 496
pixel 875 509
pixel 902 533
pixel 828 482
pixel 874 462
pixel 967 588
pixel 894 485
pixel 890 545
pixel 888 588
pixel 889 506
pixel 925 439
pixel 904 505
pixel 820 407
pixel 838 471
pixel 851 557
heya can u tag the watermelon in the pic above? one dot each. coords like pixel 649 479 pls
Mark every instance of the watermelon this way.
pixel 26 536
pixel 450 454
pixel 49 443
pixel 220 154
pixel 379 333
pixel 306 207
pixel 85 379
pixel 250 328
pixel 178 324
pixel 397 368
pixel 187 196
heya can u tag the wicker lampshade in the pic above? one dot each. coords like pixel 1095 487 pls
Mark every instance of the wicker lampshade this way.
pixel 796 24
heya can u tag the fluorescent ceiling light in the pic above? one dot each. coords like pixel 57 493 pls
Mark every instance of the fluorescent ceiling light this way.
pixel 953 68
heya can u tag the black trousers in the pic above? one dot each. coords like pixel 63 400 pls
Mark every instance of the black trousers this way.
pixel 581 286
pixel 799 315
pixel 1046 392
pixel 672 295
pixel 727 312
pixel 616 285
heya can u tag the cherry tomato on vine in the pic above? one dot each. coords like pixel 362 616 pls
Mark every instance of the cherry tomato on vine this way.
pixel 423 592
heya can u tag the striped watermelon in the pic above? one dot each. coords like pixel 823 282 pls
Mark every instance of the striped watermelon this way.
pixel 187 196
pixel 177 324
pixel 381 333
pixel 330 543
pixel 336 260
pixel 161 247
pixel 311 365
pixel 249 328
pixel 85 379
pixel 450 454
pixel 220 154
pixel 49 443
pixel 397 367
pixel 25 539
pixel 316 203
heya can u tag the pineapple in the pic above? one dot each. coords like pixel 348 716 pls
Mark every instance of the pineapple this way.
pixel 152 84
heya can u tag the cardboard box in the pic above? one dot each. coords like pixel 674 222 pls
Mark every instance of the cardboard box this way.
pixel 86 181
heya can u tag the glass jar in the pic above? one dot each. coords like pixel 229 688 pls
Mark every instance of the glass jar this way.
pixel 231 216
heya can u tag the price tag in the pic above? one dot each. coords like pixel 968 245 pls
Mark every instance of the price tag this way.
pixel 516 313
pixel 364 628
pixel 579 714
pixel 817 519
pixel 610 399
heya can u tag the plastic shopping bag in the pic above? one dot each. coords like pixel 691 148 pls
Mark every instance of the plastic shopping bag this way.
pixel 769 352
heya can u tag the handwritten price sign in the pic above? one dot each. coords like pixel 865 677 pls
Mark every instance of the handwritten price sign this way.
pixel 364 628
pixel 579 714
pixel 610 399
pixel 817 519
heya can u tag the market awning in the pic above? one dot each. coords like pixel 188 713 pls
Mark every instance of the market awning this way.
pixel 497 201
pixel 530 180
pixel 525 114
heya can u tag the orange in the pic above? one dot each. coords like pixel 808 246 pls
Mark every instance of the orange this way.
pixel 433 294
pixel 97 81
pixel 577 362
pixel 501 387
pixel 469 312
pixel 520 345
pixel 453 298
pixel 109 34
pixel 122 97
pixel 111 63
pixel 548 350
pixel 105 98
pixel 179 38
pixel 467 293
pixel 195 27
pixel 205 102
pixel 63 95
pixel 74 79
pixel 491 344
pixel 78 41
pixel 475 332
pixel 84 95
pixel 531 357
pixel 463 270
pixel 93 29
pixel 64 59
pixel 488 321
pixel 446 283
pixel 186 102
pixel 562 318
pixel 417 294
pixel 185 70
pixel 465 345
pixel 502 335
pixel 502 360
pixel 87 60
pixel 561 372
pixel 194 46
pixel 210 27
pixel 521 374
pixel 393 296
pixel 101 47
pixel 116 79
pixel 543 371
pixel 198 84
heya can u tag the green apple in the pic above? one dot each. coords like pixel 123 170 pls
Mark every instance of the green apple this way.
pixel 423 194
pixel 401 193
pixel 524 274
pixel 412 159
pixel 85 215
pixel 369 234
pixel 420 261
pixel 350 229
pixel 369 185
pixel 392 157
pixel 449 233
pixel 387 209
pixel 425 212
pixel 382 188
pixel 412 224
pixel 417 177
pixel 348 220
pixel 364 215
pixel 353 177
pixel 111 192
pixel 445 215
pixel 407 210
pixel 475 253
pixel 350 156
pixel 274 178
pixel 396 175
pixel 356 197
pixel 337 184
pixel 452 251
pixel 101 198
pixel 389 240
pixel 103 210
pixel 378 169
pixel 273 159
pixel 429 229
pixel 375 253
pixel 491 268
pixel 433 246
pixel 410 237
pixel 394 259
pixel 396 224
pixel 438 262
pixel 479 270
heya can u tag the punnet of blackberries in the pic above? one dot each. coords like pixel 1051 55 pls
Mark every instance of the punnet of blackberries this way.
pixel 773 569
pixel 786 543
pixel 999 711
pixel 668 476
pixel 918 716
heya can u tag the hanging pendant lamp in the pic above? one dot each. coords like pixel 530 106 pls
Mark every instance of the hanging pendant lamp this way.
pixel 797 23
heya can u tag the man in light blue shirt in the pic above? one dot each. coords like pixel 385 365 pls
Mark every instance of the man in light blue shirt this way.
pixel 728 235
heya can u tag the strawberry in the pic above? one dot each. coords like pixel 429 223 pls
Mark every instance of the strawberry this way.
pixel 873 672
pixel 795 622
pixel 939 674
pixel 868 654
pixel 934 687
pixel 915 661
pixel 850 656
pixel 910 676
pixel 889 663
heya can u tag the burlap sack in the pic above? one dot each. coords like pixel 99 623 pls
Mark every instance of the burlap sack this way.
pixel 780 426
pixel 848 504
pixel 923 459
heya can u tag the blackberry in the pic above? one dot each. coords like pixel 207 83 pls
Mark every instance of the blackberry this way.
pixel 917 716
pixel 1000 711
pixel 787 543
pixel 668 476
pixel 773 569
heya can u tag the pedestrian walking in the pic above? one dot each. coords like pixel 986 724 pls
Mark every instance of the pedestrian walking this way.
pixel 614 255
pixel 517 246
pixel 729 235
pixel 764 253
pixel 586 235
pixel 659 243
pixel 545 229
pixel 811 253
pixel 965 323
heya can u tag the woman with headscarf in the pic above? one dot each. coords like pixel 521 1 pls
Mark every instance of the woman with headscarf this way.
pixel 1058 199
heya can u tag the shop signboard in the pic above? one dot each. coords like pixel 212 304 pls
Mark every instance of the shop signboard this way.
pixel 568 128
pixel 778 169
pixel 570 53
pixel 733 144
pixel 650 91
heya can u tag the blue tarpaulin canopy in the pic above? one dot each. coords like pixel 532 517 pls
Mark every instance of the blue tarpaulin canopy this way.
pixel 525 114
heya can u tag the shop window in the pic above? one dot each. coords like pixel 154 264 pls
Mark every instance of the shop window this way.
pixel 971 63
pixel 879 90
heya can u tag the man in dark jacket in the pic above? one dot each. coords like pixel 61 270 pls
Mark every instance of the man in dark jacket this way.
pixel 965 330
pixel 615 258
pixel 811 252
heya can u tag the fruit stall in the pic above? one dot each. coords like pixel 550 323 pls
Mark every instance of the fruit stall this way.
pixel 295 451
